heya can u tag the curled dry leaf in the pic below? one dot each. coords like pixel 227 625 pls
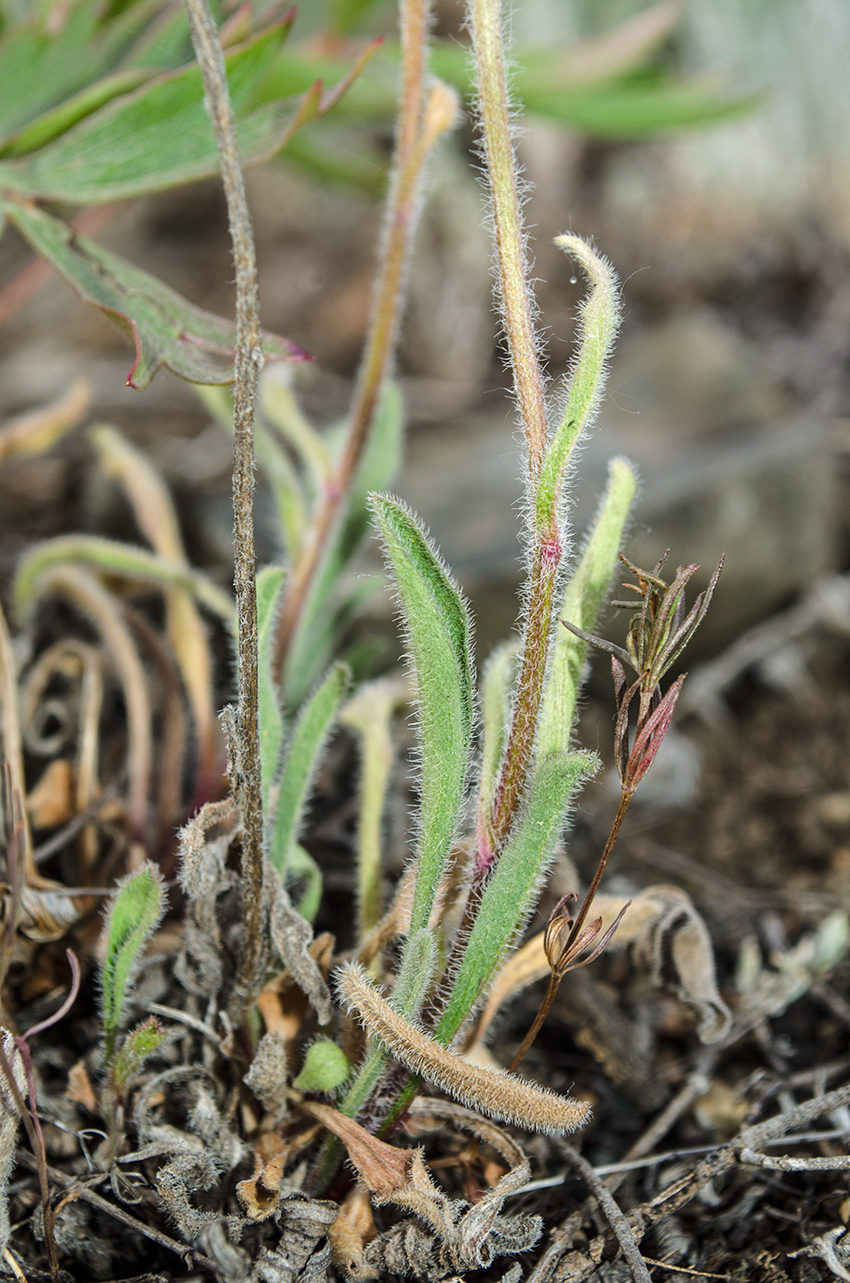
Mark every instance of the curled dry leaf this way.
pixel 353 1228
pixel 260 1194
pixel 292 936
pixel 482 1233
pixel 499 1095
pixel 268 1076
pixel 283 1003
pixel 79 1088
pixel 458 1237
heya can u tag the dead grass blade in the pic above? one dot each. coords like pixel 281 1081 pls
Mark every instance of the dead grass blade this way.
pixel 83 590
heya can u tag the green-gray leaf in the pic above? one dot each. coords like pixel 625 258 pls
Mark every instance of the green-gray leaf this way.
pixel 166 328
pixel 438 636
pixel 269 587
pixel 302 758
pixel 124 560
pixel 133 917
pixel 378 466
pixel 509 895
pixel 583 599
pixel 160 135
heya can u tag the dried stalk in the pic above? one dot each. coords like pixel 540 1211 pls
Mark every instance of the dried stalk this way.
pixel 614 1216
pixel 249 361
pixel 414 136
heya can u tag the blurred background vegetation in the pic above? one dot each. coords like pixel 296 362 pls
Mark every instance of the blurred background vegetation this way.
pixel 705 148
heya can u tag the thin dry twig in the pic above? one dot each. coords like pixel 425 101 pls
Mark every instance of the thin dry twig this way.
pixel 190 1255
pixel 676 1195
pixel 249 362
pixel 611 1209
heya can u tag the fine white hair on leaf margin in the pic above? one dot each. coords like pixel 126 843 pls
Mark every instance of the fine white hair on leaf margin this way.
pixel 499 1095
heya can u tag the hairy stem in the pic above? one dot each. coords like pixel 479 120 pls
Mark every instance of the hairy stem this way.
pixel 532 675
pixel 249 361
pixel 485 23
pixel 386 307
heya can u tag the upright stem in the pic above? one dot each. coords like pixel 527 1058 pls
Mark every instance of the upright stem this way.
pixel 542 583
pixel 485 21
pixel 625 798
pixel 249 362
pixel 386 307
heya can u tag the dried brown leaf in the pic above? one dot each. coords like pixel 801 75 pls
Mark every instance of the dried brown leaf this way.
pixel 667 936
pixel 79 1088
pixel 260 1194
pixel 51 802
pixel 353 1228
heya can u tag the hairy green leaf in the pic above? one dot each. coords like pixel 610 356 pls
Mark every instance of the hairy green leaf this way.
pixel 119 559
pixel 599 317
pixel 509 896
pixel 325 1067
pixel 416 972
pixel 166 328
pixel 140 1043
pixel 159 136
pixel 583 599
pixel 302 868
pixel 438 637
pixel 302 758
pixel 270 582
pixel 133 916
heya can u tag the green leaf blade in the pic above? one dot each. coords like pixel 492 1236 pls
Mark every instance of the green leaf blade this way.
pixel 308 739
pixel 270 583
pixel 438 633
pixel 113 558
pixel 134 915
pixel 583 599
pixel 158 136
pixel 166 328
pixel 600 317
pixel 381 460
pixel 509 896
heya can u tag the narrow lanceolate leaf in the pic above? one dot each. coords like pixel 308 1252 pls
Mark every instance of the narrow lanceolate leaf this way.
pixel 135 912
pixel 117 559
pixel 166 329
pixel 498 1095
pixel 269 587
pixel 438 632
pixel 158 136
pixel 599 317
pixel 370 713
pixel 302 759
pixel 583 599
pixel 509 895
